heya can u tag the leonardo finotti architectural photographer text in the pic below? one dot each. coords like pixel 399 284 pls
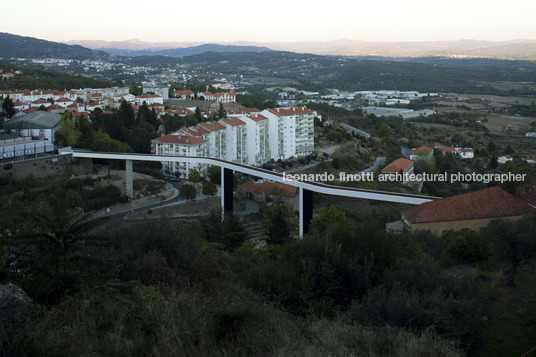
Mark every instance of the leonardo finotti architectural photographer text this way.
pixel 404 177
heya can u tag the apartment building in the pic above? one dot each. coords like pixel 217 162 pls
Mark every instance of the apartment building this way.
pixel 236 139
pixel 179 144
pixel 291 131
pixel 257 138
pixel 251 138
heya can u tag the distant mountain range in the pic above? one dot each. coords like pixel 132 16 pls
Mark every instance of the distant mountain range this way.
pixel 13 46
pixel 183 52
pixel 509 50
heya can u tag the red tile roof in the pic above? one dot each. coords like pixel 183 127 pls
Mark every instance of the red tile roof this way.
pixel 529 197
pixel 466 150
pixel 63 99
pixel 268 188
pixel 422 150
pixel 233 121
pixel 487 203
pixel 196 131
pixel 180 139
pixel 397 165
pixel 448 150
pixel 290 111
pixel 212 126
pixel 41 101
pixel 184 92
pixel 258 117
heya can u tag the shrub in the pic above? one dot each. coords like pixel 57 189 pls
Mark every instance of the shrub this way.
pixel 466 246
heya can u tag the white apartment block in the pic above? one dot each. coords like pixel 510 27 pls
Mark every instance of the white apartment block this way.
pixel 179 145
pixel 257 138
pixel 291 132
pixel 251 138
pixel 236 138
pixel 217 139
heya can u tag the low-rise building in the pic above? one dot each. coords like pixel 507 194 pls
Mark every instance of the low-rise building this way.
pixel 472 210
pixel 422 153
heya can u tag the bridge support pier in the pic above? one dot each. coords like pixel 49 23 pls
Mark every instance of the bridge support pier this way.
pixel 226 190
pixel 306 210
pixel 128 179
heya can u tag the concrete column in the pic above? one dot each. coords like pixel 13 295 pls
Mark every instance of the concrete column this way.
pixel 226 190
pixel 128 179
pixel 306 210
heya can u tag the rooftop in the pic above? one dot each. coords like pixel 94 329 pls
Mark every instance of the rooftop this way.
pixel 36 120
pixel 490 202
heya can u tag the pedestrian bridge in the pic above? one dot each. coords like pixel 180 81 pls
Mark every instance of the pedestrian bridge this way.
pixel 306 188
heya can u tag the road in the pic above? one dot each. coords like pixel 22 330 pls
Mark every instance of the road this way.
pixel 251 206
pixel 355 130
pixel 380 161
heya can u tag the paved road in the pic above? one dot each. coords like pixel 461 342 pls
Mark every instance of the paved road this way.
pixel 380 161
pixel 356 130
pixel 405 151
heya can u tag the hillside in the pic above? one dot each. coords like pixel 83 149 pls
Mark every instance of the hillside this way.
pixel 33 78
pixel 13 46
pixel 433 75
pixel 187 51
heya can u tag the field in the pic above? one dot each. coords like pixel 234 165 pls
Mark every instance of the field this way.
pixel 501 123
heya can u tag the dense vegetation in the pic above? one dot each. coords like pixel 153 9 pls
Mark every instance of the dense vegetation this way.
pixel 34 78
pixel 204 288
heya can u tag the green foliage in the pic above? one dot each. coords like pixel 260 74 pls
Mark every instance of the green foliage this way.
pixel 166 254
pixel 418 297
pixel 149 323
pixel 466 246
pixel 214 174
pixel 209 189
pixel 512 241
pixel 8 108
pixel 282 222
pixel 67 134
pixel 54 259
pixel 228 231
pixel 188 191
pixel 384 131
pixel 194 175
pixel 331 266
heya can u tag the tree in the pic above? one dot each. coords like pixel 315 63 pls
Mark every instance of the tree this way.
pixel 188 191
pixel 8 108
pixel 222 114
pixel 512 241
pixel 172 123
pixel 125 115
pixel 67 133
pixel 194 175
pixel 54 258
pixel 229 231
pixel 198 115
pixel 214 174
pixel 209 189
pixel 281 222
pixel 384 131
pixel 492 148
pixel 148 115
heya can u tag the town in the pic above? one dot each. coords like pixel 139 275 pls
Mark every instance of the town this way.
pixel 243 200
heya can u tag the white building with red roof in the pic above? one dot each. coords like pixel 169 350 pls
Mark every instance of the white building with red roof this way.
pixel 149 99
pixel 257 129
pixel 217 139
pixel 236 138
pixel 184 94
pixel 291 131
pixel 180 144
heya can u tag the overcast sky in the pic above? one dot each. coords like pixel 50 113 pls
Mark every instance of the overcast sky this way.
pixel 276 20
